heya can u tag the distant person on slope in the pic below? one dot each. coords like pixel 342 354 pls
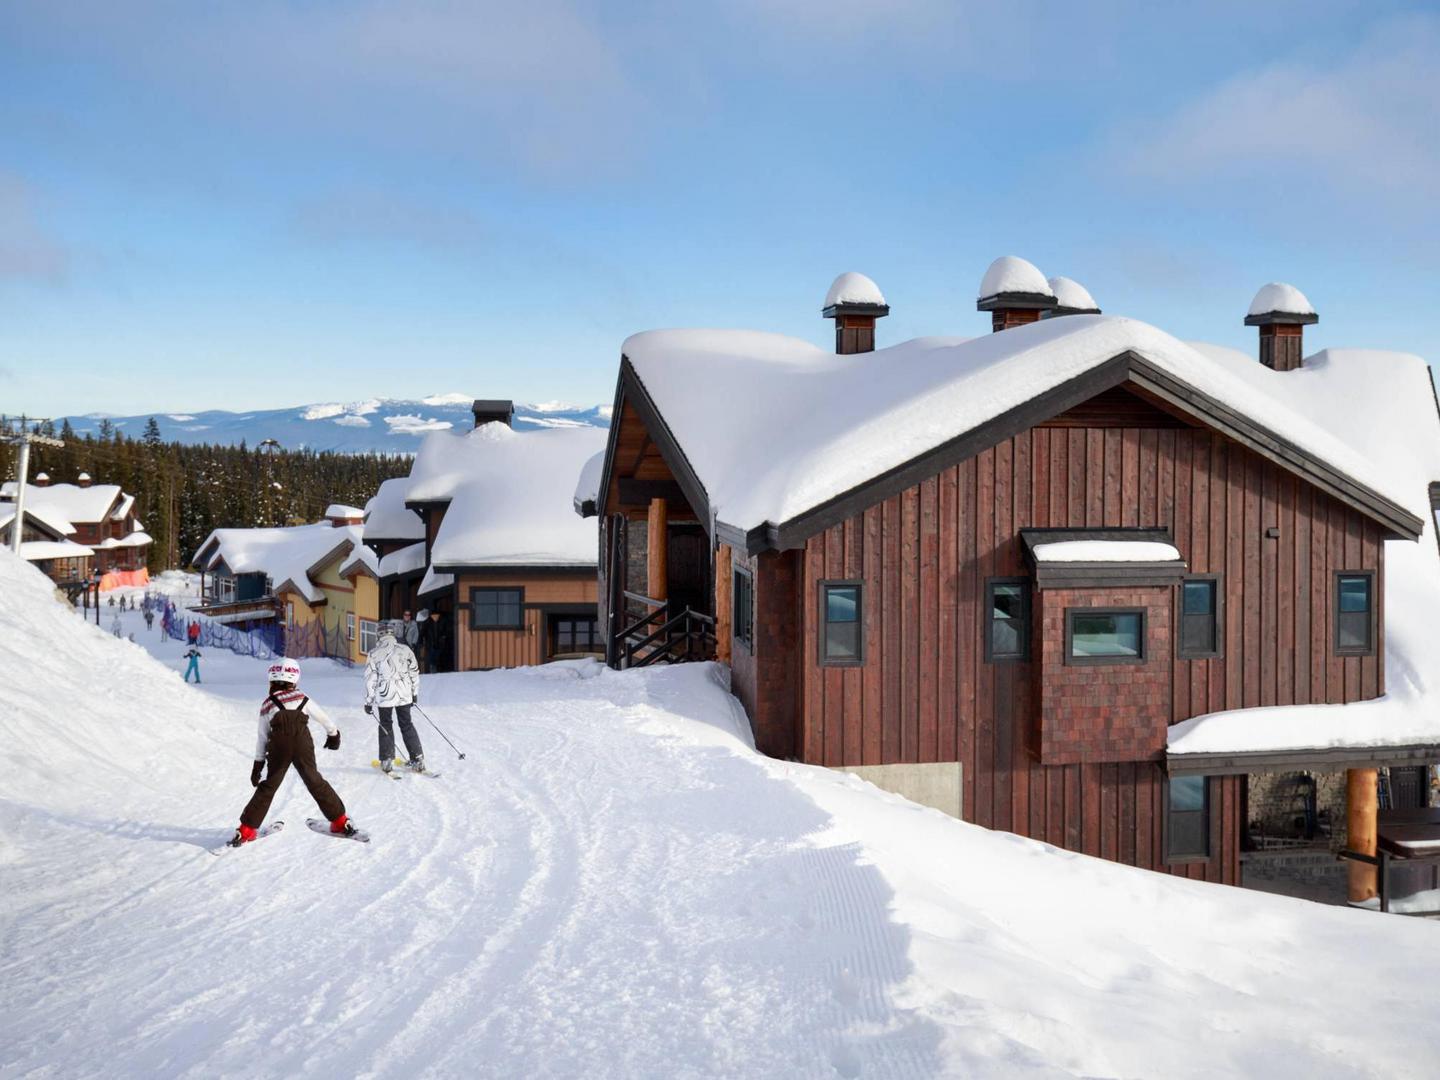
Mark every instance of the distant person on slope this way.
pixel 193 655
pixel 149 618
pixel 284 741
pixel 392 682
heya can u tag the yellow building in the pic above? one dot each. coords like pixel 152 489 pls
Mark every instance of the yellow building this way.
pixel 361 571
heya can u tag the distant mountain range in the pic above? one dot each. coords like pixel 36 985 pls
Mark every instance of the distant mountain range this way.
pixel 386 425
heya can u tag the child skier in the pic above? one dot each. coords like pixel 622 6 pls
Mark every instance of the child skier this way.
pixel 284 741
pixel 193 655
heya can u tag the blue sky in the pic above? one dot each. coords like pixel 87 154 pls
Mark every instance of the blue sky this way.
pixel 242 205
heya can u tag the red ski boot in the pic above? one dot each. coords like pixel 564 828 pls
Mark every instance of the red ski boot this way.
pixel 243 835
pixel 341 826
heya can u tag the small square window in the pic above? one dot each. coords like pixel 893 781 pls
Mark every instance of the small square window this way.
pixel 497 609
pixel 1104 637
pixel 1007 605
pixel 842 622
pixel 1355 613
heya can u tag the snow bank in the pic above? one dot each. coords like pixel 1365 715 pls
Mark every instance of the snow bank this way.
pixel 853 288
pixel 1011 274
pixel 1279 297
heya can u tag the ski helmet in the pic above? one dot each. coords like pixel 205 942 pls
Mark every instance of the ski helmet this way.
pixel 387 629
pixel 285 670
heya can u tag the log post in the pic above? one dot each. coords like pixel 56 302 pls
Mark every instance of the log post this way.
pixel 723 596
pixel 1362 809
pixel 656 551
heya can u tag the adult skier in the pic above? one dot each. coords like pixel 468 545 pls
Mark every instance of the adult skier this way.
pixel 193 668
pixel 285 740
pixel 392 684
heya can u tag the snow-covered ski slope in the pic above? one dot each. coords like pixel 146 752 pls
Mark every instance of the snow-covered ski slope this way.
pixel 612 884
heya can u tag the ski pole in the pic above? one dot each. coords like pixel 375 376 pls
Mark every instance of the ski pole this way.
pixel 381 725
pixel 436 726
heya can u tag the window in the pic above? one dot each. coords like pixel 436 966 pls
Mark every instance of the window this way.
pixel 1095 636
pixel 1007 600
pixel 289 612
pixel 349 626
pixel 1187 818
pixel 368 631
pixel 574 634
pixel 1355 613
pixel 842 623
pixel 497 609
pixel 1200 617
pixel 222 590
pixel 742 607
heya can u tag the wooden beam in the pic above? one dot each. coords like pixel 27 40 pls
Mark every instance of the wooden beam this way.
pixel 723 595
pixel 656 551
pixel 1362 809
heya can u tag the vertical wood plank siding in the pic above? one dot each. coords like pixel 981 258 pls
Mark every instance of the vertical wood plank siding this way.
pixel 478 650
pixel 926 693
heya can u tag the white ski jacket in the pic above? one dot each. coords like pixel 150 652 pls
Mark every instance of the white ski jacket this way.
pixel 392 677
pixel 291 700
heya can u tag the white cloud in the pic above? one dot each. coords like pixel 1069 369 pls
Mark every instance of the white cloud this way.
pixel 352 421
pixel 413 424
pixel 1366 121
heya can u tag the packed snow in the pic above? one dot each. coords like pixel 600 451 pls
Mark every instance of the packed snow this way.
pixel 1145 551
pixel 1281 298
pixel 510 496
pixel 1070 294
pixel 611 884
pixel 853 288
pixel 1011 274
pixel 387 517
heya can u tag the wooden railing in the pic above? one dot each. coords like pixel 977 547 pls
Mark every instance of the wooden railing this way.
pixel 662 637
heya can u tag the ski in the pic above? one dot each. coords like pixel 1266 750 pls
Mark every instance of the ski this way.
pixel 391 774
pixel 404 770
pixel 323 828
pixel 264 831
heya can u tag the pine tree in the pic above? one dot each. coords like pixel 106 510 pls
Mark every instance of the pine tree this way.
pixel 152 432
pixel 106 430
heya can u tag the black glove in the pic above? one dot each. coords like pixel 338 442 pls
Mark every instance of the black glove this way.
pixel 415 700
pixel 255 773
pixel 332 741
pixel 369 711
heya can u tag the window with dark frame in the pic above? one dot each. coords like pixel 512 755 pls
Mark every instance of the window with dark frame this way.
pixel 1355 613
pixel 1199 617
pixel 1187 817
pixel 497 609
pixel 1007 603
pixel 842 622
pixel 742 607
pixel 574 634
pixel 1104 636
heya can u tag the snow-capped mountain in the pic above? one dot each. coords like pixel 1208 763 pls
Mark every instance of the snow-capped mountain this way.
pixel 385 425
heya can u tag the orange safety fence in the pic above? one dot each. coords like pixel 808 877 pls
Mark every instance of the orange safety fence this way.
pixel 119 579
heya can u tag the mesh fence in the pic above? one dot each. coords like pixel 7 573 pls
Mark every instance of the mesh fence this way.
pixel 265 642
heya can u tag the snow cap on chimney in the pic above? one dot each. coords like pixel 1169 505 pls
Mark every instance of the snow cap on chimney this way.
pixel 42 479
pixel 83 479
pixel 493 411
pixel 1015 292
pixel 1071 298
pixel 1281 312
pixel 854 302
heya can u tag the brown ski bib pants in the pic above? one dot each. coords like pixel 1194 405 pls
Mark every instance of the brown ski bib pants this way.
pixel 290 744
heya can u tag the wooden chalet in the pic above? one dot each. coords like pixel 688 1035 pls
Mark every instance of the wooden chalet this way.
pixel 100 517
pixel 480 533
pixel 45 543
pixel 991 574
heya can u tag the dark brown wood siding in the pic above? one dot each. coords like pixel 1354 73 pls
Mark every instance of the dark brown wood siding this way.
pixel 926 693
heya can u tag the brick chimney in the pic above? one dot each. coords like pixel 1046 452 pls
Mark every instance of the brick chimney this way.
pixel 493 412
pixel 1281 312
pixel 41 480
pixel 1015 292
pixel 83 480
pixel 1071 298
pixel 854 302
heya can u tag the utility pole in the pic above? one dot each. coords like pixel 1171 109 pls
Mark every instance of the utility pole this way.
pixel 22 437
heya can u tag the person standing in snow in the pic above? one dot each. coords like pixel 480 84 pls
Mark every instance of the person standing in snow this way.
pixel 409 632
pixel 193 655
pixel 193 632
pixel 285 740
pixel 392 684
pixel 149 618
pixel 115 626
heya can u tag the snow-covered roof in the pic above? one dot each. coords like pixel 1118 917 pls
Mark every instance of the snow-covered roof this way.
pixel 1282 298
pixel 434 582
pixel 386 517
pixel 127 503
pixel 360 560
pixel 587 487
pixel 340 510
pixel 1012 274
pixel 1106 551
pixel 853 288
pixel 511 495
pixel 1340 386
pixel 792 425
pixel 71 502
pixel 404 560
pixel 135 539
pixel 46 519
pixel 285 554
pixel 35 550
pixel 1070 294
